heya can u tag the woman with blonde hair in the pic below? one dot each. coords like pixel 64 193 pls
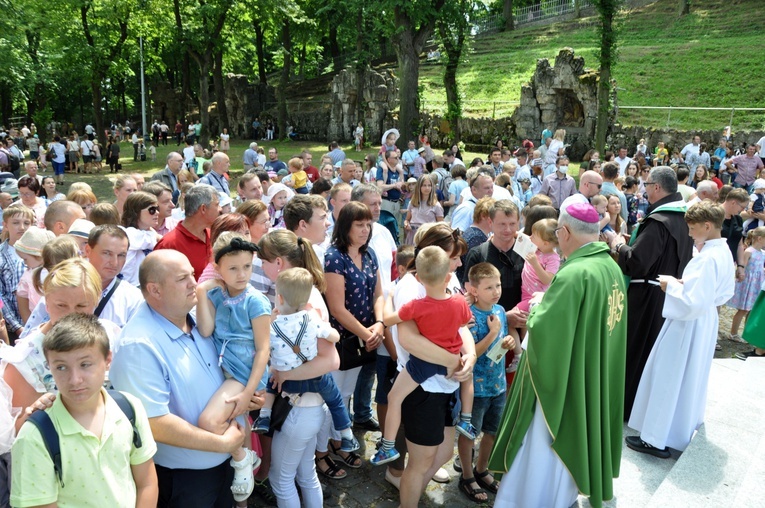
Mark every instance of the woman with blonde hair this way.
pixel 85 198
pixel 423 208
pixel 71 286
pixel 124 185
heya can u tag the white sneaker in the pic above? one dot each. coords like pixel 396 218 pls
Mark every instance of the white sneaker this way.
pixel 441 476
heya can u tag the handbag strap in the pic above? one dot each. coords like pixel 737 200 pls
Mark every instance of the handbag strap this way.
pixel 106 299
pixel 298 339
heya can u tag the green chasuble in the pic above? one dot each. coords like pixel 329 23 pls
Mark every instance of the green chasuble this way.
pixel 574 366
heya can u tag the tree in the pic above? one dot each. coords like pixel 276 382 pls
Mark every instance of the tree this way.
pixel 684 7
pixel 453 29
pixel 507 13
pixel 105 49
pixel 607 10
pixel 414 23
pixel 284 79
pixel 202 42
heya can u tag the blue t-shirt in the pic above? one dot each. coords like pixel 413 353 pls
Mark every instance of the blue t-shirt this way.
pixel 233 336
pixel 393 194
pixel 360 284
pixel 274 166
pixel 488 377
pixel 456 188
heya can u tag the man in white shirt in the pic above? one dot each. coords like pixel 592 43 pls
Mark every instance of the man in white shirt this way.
pixel 481 185
pixel 691 148
pixel 451 159
pixel 86 150
pixel 134 140
pixel 408 158
pixel 622 160
pixel 107 250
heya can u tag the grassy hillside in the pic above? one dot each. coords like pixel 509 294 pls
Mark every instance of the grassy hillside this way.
pixel 710 58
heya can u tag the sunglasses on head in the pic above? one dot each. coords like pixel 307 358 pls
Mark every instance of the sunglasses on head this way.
pixel 153 209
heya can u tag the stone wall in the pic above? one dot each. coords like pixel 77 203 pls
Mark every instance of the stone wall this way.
pixel 379 96
pixel 672 138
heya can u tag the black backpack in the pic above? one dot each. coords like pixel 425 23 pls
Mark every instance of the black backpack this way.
pixel 44 424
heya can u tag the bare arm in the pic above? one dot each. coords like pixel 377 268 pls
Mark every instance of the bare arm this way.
pixel 205 308
pixel 494 327
pixel 146 484
pixel 418 345
pixel 175 431
pixel 23 393
pixel 23 303
pixel 390 315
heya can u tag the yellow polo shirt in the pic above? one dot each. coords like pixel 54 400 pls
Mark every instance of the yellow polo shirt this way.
pixel 96 471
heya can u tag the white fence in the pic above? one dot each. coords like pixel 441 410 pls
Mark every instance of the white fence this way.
pixel 547 9
pixel 718 112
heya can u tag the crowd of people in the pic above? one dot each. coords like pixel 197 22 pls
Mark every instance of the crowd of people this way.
pixel 499 311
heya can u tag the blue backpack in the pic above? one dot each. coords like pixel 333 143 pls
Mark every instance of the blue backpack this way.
pixel 44 424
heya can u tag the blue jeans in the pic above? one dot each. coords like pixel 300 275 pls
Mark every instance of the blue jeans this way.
pixel 326 387
pixel 362 395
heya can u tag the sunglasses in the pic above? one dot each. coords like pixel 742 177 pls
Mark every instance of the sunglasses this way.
pixel 153 209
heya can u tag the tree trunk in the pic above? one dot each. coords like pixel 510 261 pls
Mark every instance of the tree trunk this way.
pixel 284 80
pixel 301 59
pixel 260 52
pixel 220 90
pixel 95 90
pixel 577 9
pixel 607 10
pixel 204 97
pixel 507 13
pixel 6 103
pixel 684 7
pixel 409 43
pixel 334 47
pixel 361 64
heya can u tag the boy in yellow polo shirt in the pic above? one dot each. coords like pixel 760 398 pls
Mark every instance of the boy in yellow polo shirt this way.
pixel 101 466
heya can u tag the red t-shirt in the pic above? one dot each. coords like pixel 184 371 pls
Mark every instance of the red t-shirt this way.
pixel 197 251
pixel 439 320
pixel 313 173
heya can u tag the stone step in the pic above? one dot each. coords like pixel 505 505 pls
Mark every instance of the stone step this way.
pixel 641 475
pixel 724 464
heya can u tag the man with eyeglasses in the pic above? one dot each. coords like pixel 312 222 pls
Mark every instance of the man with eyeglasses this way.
pixel 660 245
pixel 589 185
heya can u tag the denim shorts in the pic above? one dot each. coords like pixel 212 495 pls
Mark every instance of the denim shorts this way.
pixel 487 413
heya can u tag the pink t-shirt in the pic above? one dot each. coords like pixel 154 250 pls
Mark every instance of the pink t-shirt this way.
pixel 530 283
pixel 439 320
pixel 27 290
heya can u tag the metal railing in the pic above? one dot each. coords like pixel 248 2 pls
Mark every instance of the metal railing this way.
pixel 670 109
pixel 547 9
pixel 473 108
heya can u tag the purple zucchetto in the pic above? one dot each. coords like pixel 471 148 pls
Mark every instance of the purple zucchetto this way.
pixel 584 212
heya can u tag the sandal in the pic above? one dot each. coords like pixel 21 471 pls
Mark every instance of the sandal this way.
pixel 333 471
pixel 351 459
pixel 492 486
pixel 244 481
pixel 472 493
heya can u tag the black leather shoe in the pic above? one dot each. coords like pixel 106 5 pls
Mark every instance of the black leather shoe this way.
pixel 641 446
pixel 371 424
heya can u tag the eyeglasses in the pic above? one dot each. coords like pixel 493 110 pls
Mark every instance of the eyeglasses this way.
pixel 598 185
pixel 650 183
pixel 264 221
pixel 153 210
pixel 558 229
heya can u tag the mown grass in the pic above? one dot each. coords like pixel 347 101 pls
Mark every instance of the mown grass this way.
pixel 710 58
pixel 103 183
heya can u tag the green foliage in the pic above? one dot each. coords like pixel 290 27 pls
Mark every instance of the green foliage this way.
pixel 663 61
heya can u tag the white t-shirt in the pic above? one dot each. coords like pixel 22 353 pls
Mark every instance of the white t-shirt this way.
pixel 690 149
pixel 406 290
pixel 283 357
pixel 761 142
pixel 623 163
pixel 384 247
pixel 188 154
